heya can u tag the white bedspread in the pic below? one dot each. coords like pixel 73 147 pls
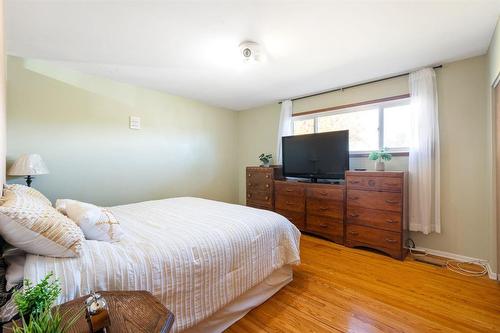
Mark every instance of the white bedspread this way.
pixel 194 255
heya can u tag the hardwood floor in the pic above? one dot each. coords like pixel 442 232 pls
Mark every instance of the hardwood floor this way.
pixel 337 289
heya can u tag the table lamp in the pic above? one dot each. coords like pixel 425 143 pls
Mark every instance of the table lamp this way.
pixel 28 165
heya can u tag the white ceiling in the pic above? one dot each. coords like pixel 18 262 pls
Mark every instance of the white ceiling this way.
pixel 190 48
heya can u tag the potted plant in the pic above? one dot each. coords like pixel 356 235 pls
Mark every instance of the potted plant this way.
pixel 34 303
pixel 380 156
pixel 265 159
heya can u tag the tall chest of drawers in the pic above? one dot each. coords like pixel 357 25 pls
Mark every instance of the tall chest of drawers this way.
pixel 260 186
pixel 377 211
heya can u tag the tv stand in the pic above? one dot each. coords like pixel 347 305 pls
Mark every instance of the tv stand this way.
pixel 369 209
pixel 313 207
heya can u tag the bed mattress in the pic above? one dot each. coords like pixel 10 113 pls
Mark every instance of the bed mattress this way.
pixel 194 255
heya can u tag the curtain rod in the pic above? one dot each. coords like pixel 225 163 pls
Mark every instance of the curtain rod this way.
pixel 355 85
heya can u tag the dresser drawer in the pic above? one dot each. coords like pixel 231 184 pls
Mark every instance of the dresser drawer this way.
pixel 262 197
pixel 289 189
pixel 256 175
pixel 326 193
pixel 375 200
pixel 325 207
pixel 374 218
pixel 290 202
pixel 260 185
pixel 259 205
pixel 390 184
pixel 297 218
pixel 327 227
pixel 384 240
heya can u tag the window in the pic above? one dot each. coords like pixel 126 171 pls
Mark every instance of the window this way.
pixel 371 127
pixel 397 127
pixel 305 126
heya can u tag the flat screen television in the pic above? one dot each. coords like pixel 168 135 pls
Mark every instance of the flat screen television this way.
pixel 316 156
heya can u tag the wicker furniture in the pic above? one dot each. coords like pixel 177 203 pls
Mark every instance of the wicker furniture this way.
pixel 130 311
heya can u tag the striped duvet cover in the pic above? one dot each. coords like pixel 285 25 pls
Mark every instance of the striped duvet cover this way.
pixel 194 255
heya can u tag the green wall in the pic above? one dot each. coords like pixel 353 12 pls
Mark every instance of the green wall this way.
pixel 79 124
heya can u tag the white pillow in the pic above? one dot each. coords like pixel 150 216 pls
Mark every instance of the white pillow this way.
pixel 15 259
pixel 97 223
pixel 61 205
pixel 29 224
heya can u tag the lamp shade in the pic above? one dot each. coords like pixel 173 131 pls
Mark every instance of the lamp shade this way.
pixel 28 165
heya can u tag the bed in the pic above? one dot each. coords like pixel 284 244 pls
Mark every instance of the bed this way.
pixel 209 262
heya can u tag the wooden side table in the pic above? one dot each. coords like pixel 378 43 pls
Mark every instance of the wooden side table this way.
pixel 130 311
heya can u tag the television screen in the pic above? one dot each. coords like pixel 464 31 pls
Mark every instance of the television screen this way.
pixel 321 155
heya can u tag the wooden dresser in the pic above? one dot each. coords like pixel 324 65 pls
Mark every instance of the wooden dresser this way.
pixel 369 210
pixel 376 211
pixel 260 186
pixel 315 208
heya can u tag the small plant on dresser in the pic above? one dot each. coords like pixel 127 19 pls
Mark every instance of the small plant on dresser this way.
pixel 265 159
pixel 380 156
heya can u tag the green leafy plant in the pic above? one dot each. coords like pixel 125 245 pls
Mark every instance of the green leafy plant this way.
pixel 49 321
pixel 381 155
pixel 34 303
pixel 265 158
pixel 35 299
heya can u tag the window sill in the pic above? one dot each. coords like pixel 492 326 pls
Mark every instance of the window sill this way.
pixel 400 153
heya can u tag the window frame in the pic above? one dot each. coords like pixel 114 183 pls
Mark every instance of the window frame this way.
pixel 380 106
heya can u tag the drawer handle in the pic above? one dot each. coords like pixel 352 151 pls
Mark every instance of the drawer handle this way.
pixel 249 195
pixel 323 208
pixel 267 185
pixel 390 240
pixel 353 198
pixel 391 221
pixel 392 202
pixel 267 176
pixel 354 233
pixel 371 182
pixel 289 189
pixel 289 203
pixel 353 215
pixel 249 184
pixel 323 193
pixel 354 181
pixel 323 225
pixel 249 175
pixel 267 198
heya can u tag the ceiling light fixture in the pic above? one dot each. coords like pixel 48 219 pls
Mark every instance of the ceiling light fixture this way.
pixel 250 51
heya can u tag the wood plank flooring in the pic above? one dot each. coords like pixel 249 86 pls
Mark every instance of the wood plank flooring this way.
pixel 337 289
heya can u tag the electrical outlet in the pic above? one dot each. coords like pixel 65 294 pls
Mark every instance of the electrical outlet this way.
pixel 135 122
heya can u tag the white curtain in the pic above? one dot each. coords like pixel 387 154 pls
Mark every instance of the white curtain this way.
pixel 424 166
pixel 285 127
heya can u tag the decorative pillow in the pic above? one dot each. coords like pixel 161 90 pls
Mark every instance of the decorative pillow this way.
pixel 61 205
pixel 29 191
pixel 97 223
pixel 27 223
pixel 15 259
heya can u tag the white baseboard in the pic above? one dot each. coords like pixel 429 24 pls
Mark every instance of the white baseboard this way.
pixel 492 275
